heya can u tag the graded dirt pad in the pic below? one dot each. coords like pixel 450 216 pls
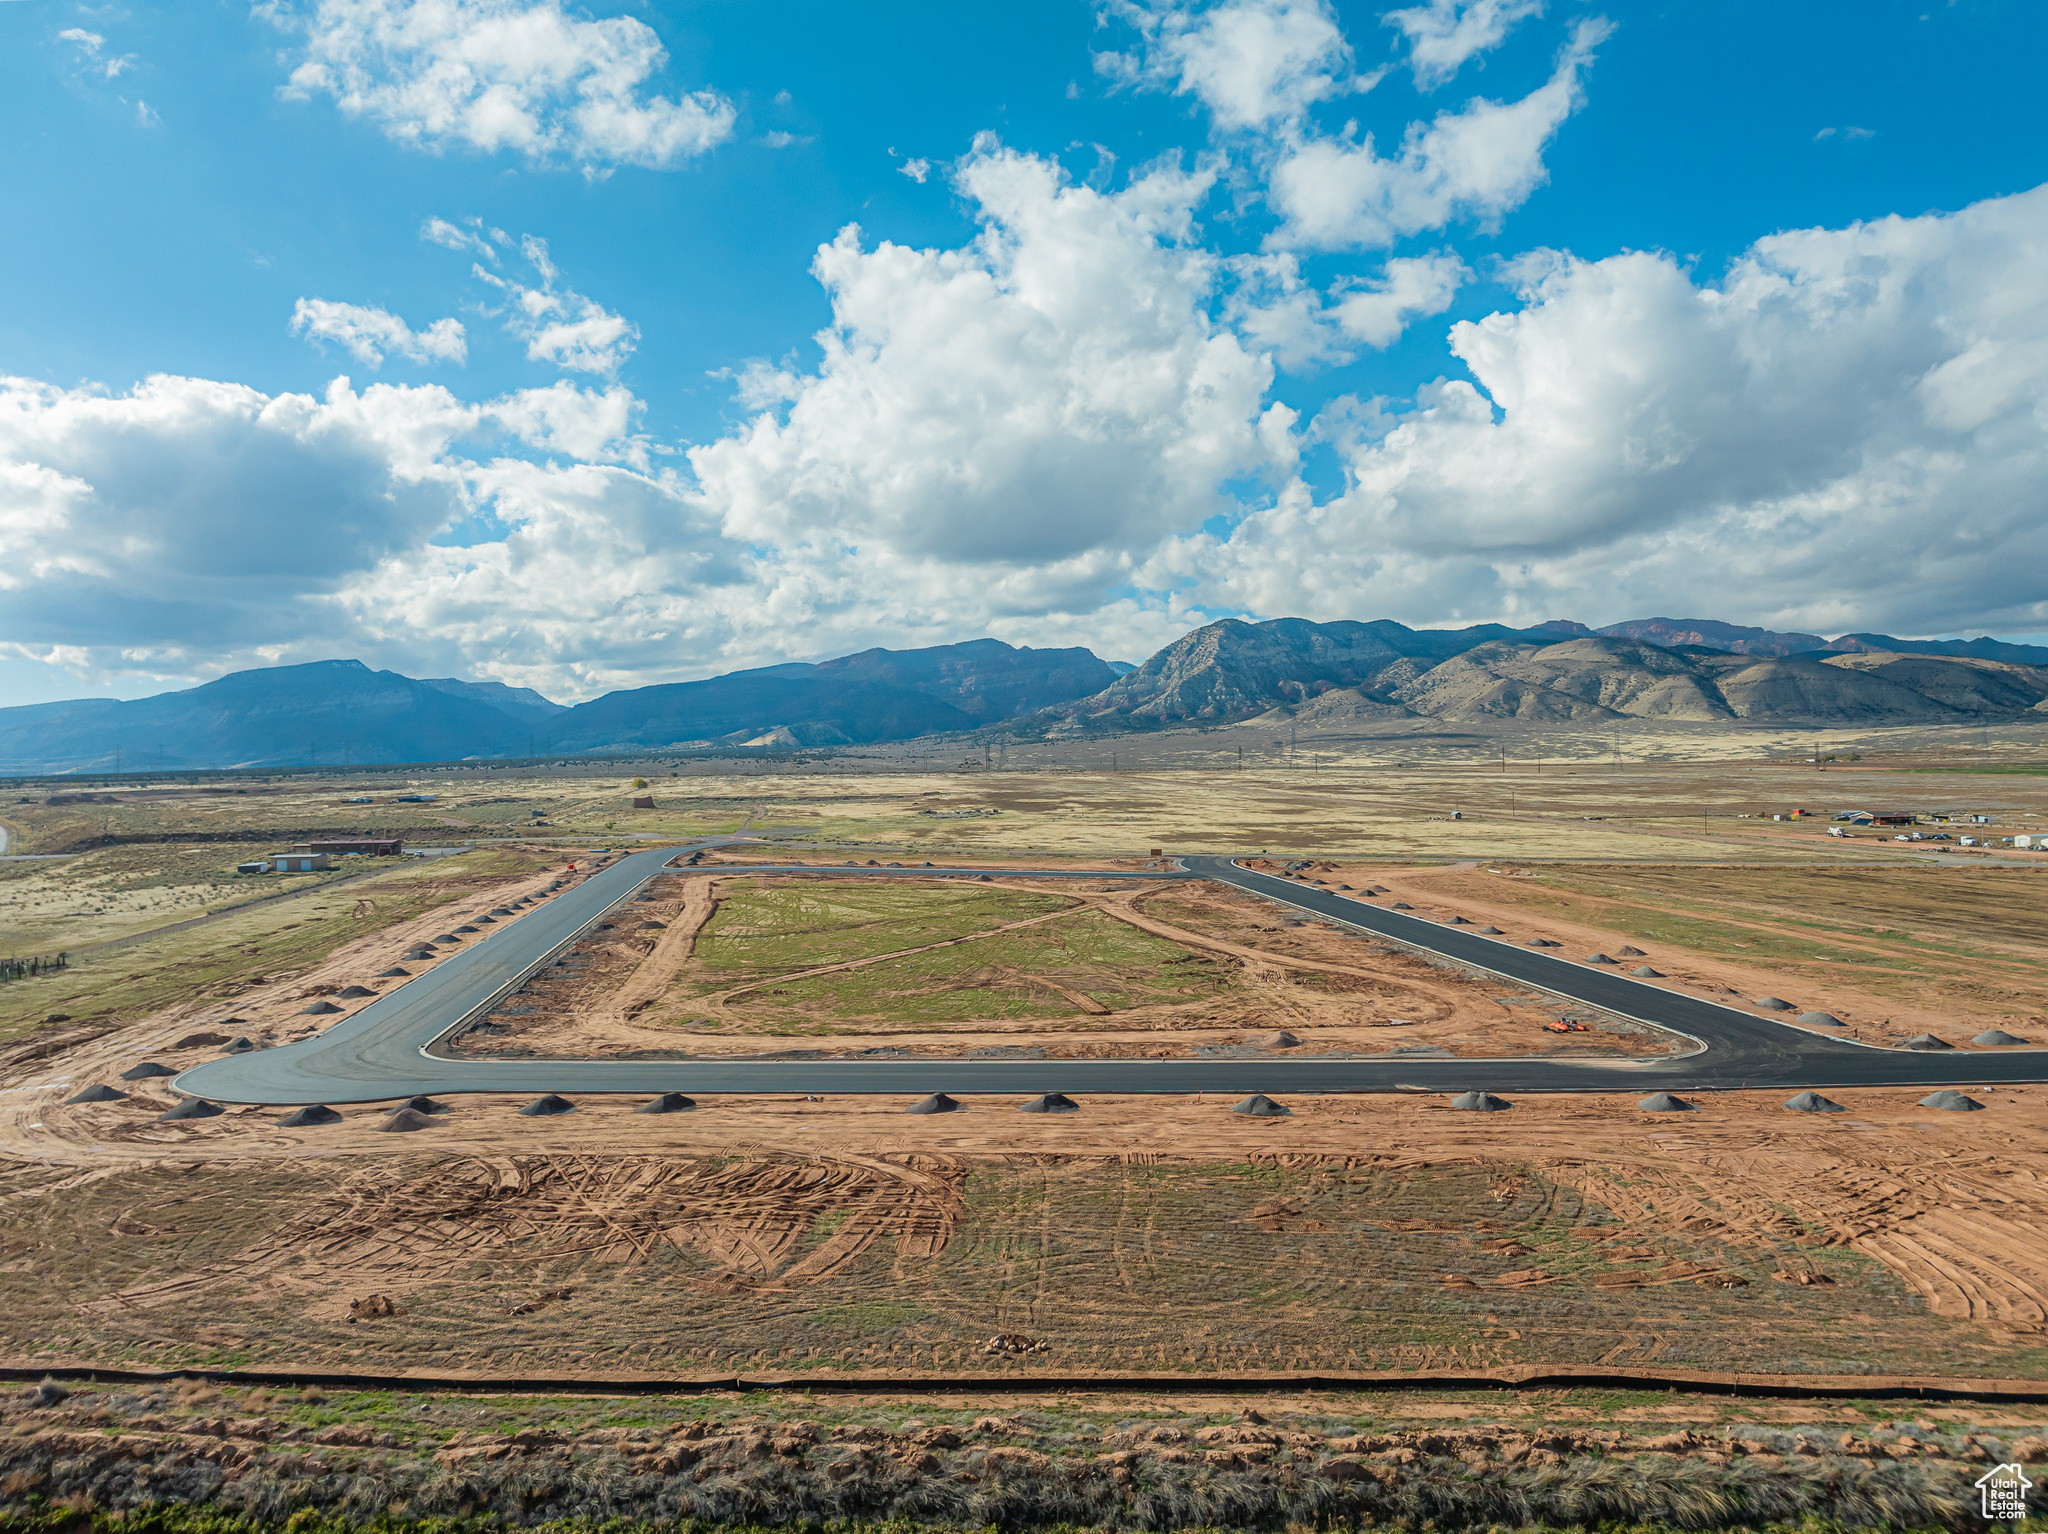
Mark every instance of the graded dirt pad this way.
pixel 1878 955
pixel 1074 970
pixel 1141 1234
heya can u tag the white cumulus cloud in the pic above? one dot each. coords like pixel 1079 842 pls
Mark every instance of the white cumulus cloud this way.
pixel 529 76
pixel 1477 163
pixel 371 334
pixel 1250 62
pixel 1443 34
pixel 1848 430
pixel 1052 395
pixel 558 324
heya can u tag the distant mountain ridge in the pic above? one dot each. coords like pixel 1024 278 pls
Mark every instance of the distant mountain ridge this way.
pixel 1331 675
pixel 1335 675
pixel 338 711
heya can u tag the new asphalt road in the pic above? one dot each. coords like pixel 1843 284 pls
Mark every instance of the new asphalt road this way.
pixel 386 1050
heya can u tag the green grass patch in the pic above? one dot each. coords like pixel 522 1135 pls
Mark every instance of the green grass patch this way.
pixel 774 928
pixel 1010 975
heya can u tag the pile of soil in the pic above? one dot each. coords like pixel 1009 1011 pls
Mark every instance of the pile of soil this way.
pixel 1813 1102
pixel 1281 1040
pixel 356 990
pixel 404 1121
pixel 1820 1020
pixel 318 1009
pixel 1051 1102
pixel 193 1108
pixel 425 1104
pixel 312 1113
pixel 1997 1036
pixel 1926 1041
pixel 547 1107
pixel 668 1102
pixel 1950 1100
pixel 1644 972
pixel 1774 1004
pixel 97 1094
pixel 1480 1102
pixel 1260 1106
pixel 200 1040
pixel 1664 1102
pixel 146 1070
pixel 938 1102
pixel 394 973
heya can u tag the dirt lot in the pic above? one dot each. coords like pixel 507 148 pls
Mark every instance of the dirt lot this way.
pixel 712 964
pixel 1163 1234
pixel 1891 952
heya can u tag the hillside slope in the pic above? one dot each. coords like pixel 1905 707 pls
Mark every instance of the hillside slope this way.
pixel 330 712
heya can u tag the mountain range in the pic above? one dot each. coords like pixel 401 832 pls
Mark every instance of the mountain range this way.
pixel 1326 675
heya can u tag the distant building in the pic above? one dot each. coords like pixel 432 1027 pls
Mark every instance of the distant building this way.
pixel 260 866
pixel 414 799
pixel 361 846
pixel 296 862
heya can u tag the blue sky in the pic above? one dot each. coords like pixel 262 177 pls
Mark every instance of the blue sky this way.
pixel 1730 311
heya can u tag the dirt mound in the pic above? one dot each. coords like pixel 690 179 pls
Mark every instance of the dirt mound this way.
pixel 193 1108
pixel 374 1307
pixel 97 1094
pixel 938 1102
pixel 1774 1004
pixel 1926 1041
pixel 1400 905
pixel 1457 921
pixel 146 1070
pixel 1480 1102
pixel 1813 1102
pixel 653 926
pixel 547 1107
pixel 447 937
pixel 1598 958
pixel 425 1104
pixel 1260 1106
pixel 668 1102
pixel 201 1040
pixel 1820 1020
pixel 404 1121
pixel 1644 972
pixel 1627 952
pixel 1664 1102
pixel 1051 1102
pixel 312 1113
pixel 394 973
pixel 1281 1040
pixel 1489 932
pixel 1542 942
pixel 245 1045
pixel 1949 1100
pixel 318 1009
pixel 1996 1036
pixel 355 991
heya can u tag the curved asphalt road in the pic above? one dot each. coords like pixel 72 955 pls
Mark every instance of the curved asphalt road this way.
pixel 386 1051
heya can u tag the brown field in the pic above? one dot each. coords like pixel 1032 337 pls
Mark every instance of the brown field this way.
pixel 1364 1236
pixel 1162 1235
